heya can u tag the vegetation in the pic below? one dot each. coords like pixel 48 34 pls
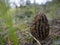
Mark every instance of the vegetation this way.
pixel 14 20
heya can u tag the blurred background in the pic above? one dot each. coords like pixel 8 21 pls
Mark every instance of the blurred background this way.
pixel 16 16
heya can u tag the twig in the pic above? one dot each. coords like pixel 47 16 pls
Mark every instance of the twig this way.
pixel 35 39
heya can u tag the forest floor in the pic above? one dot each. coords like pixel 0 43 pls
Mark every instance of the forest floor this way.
pixel 26 39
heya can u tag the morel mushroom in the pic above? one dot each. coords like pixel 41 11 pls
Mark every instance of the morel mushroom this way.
pixel 40 27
